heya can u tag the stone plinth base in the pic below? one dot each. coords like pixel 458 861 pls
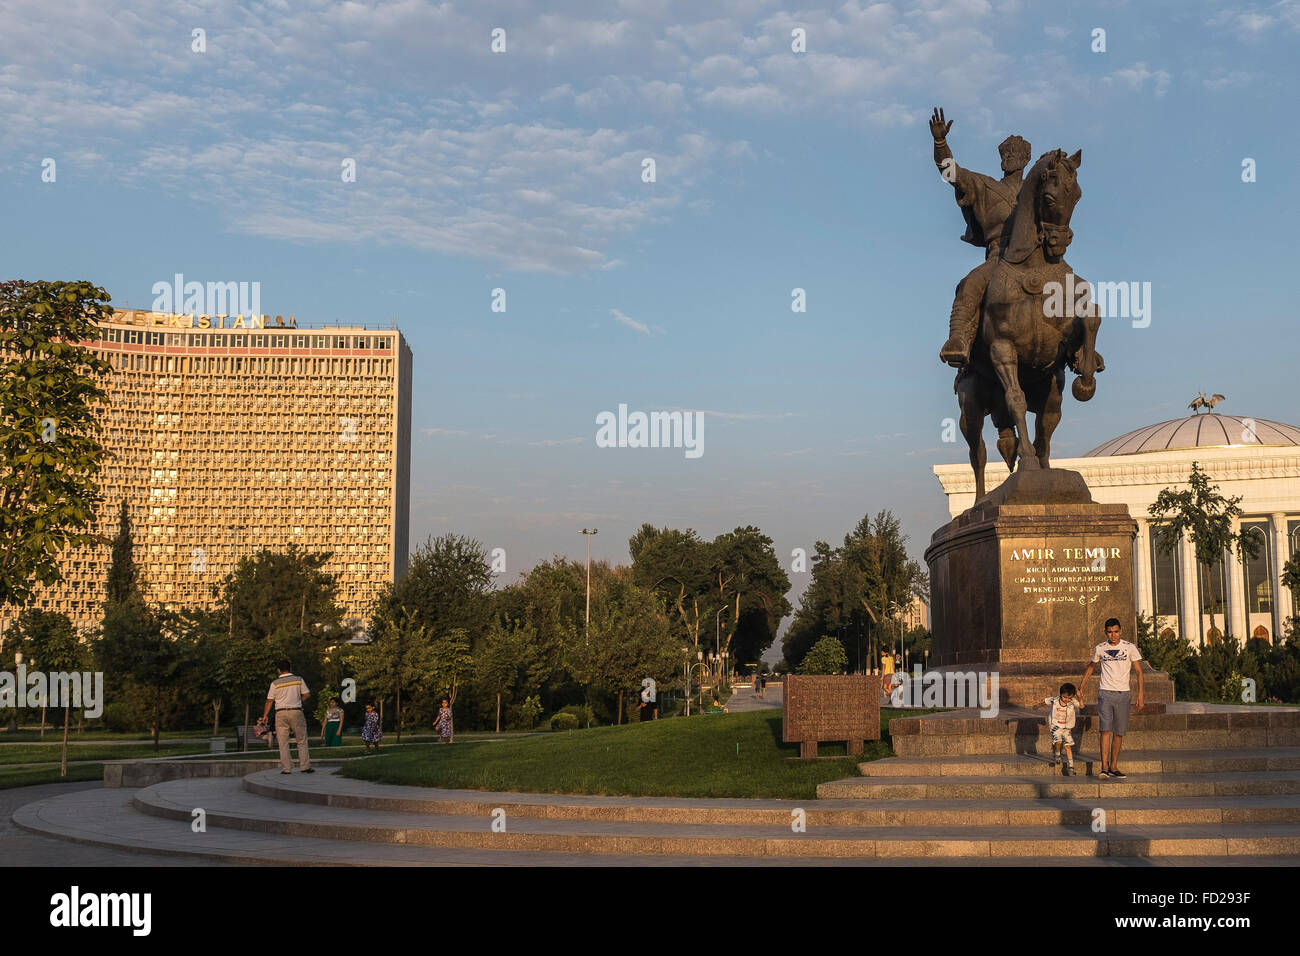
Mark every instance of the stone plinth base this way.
pixel 1022 584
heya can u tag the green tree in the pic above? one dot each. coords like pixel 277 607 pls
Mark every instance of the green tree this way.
pixel 123 572
pixel 506 665
pixel 1291 581
pixel 745 575
pixel 138 646
pixel 1205 516
pixel 48 432
pixel 50 644
pixel 856 589
pixel 447 586
pixel 453 665
pixel 826 657
pixel 141 645
pixel 676 565
pixel 399 657
pixel 286 600
pixel 629 638
pixel 245 672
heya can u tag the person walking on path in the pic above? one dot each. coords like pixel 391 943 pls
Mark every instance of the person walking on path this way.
pixel 443 723
pixel 332 731
pixel 1118 660
pixel 287 693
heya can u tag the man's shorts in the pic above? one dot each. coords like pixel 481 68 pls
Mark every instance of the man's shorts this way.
pixel 1062 735
pixel 1112 711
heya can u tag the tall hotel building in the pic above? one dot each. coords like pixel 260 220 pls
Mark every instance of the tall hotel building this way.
pixel 228 440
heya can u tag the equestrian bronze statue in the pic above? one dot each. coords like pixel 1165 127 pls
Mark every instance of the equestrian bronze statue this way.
pixel 1031 317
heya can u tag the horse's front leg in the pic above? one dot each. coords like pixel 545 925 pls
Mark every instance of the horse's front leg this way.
pixel 1006 363
pixel 1047 420
pixel 972 426
pixel 1086 360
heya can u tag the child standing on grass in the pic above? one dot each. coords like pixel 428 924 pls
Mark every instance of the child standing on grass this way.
pixel 443 723
pixel 371 733
pixel 1064 713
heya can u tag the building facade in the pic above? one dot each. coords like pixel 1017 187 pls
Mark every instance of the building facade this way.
pixel 229 437
pixel 1256 459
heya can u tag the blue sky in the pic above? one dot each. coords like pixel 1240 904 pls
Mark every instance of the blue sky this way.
pixel 775 170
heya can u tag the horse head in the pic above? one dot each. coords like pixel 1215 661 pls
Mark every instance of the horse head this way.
pixel 1047 199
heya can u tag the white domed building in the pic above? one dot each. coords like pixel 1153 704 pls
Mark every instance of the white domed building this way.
pixel 1254 458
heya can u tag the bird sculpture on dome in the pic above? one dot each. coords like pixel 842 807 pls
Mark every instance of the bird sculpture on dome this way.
pixel 1200 401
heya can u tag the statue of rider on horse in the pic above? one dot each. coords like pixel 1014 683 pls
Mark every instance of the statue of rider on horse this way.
pixel 1011 333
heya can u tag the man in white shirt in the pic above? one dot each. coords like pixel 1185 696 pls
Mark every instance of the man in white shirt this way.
pixel 1118 660
pixel 287 693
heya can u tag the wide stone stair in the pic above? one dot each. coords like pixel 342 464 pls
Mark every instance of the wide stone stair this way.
pixel 1200 781
pixel 963 790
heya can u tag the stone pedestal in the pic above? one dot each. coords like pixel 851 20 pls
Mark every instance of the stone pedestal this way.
pixel 1022 584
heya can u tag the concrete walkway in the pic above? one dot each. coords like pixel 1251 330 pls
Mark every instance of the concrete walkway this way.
pixel 743 699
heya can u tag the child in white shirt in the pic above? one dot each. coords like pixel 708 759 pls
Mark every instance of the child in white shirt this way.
pixel 1064 712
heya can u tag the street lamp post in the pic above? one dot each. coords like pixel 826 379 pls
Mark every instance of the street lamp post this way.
pixel 588 535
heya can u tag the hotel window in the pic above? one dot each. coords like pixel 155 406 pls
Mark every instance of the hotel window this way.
pixel 259 341
pixel 238 341
pixel 300 341
pixel 1258 571
pixel 219 341
pixel 175 338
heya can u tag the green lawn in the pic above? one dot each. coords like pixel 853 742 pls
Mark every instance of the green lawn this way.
pixel 721 755
pixel 32 776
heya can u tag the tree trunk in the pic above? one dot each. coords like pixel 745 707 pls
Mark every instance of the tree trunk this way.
pixel 216 716
pixel 620 705
pixel 498 713
pixel 67 717
pixel 245 726
pixel 157 719
pixel 42 721
pixel 399 711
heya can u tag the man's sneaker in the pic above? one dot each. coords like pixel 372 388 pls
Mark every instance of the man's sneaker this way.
pixel 1104 774
pixel 286 771
pixel 1118 774
pixel 309 770
pixel 1069 770
pixel 1056 759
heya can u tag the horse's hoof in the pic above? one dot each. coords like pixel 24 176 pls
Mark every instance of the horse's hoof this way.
pixel 1084 388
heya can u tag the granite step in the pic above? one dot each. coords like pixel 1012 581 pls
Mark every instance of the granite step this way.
pixel 1006 786
pixel 1086 764
pixel 1013 730
pixel 226 806
pixel 104 817
pixel 343 793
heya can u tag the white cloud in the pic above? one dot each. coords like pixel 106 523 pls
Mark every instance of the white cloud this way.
pixel 630 323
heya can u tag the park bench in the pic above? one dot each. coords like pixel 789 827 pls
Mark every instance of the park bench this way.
pixel 249 733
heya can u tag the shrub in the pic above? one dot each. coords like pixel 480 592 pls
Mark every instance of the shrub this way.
pixel 825 657
pixel 118 718
pixel 530 711
pixel 564 721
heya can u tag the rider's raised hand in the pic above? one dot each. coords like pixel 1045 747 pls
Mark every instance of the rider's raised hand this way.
pixel 938 129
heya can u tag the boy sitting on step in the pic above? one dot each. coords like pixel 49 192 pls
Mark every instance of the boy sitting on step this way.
pixel 1064 712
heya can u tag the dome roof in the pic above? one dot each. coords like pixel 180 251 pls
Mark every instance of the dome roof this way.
pixel 1200 431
